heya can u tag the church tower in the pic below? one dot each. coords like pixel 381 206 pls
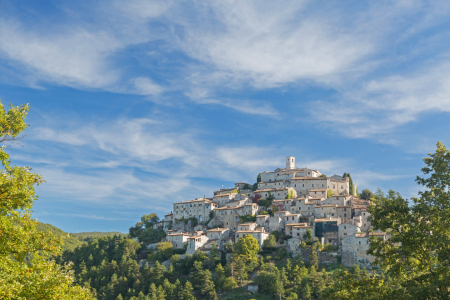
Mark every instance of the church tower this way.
pixel 290 163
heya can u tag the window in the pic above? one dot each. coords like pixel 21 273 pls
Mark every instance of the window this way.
pixel 345 227
pixel 345 233
pixel 334 186
pixel 360 242
pixel 345 215
pixel 303 185
pixel 342 186
pixel 295 185
pixel 313 185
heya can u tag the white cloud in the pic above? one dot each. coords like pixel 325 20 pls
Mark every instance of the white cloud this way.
pixel 145 86
pixel 75 58
pixel 272 45
pixel 382 105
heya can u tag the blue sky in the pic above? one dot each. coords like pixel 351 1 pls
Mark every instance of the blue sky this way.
pixel 138 104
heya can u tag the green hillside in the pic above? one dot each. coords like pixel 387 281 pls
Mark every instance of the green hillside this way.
pixel 73 240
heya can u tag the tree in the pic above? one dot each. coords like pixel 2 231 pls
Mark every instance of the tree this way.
pixel 426 223
pixel 247 246
pixel 415 257
pixel 366 194
pixel 27 270
pixel 144 230
pixel 329 193
pixel 350 183
pixel 270 242
pixel 220 276
pixel 186 292
pixel 307 236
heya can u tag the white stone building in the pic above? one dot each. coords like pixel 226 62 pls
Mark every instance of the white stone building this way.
pixel 195 242
pixel 178 239
pixel 354 249
pixel 222 199
pixel 198 208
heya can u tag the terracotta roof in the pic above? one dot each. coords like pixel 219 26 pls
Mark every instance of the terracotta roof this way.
pixel 193 237
pixel 325 220
pixel 179 233
pixel 309 178
pixel 249 203
pixel 343 206
pixel 296 224
pixel 221 195
pixel 260 216
pixel 195 200
pixel 229 207
pixel 362 235
pixel 251 231
pixel 218 229
pixel 318 190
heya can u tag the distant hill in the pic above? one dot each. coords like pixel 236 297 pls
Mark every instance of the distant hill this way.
pixel 73 240
pixel 87 236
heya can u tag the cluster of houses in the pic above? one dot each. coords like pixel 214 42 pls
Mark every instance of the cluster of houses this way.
pixel 302 199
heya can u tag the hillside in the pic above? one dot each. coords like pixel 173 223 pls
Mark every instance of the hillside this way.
pixel 73 240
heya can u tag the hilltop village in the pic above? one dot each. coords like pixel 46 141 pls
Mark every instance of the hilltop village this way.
pixel 299 200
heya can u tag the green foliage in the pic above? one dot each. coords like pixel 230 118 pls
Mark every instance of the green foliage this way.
pixel 247 246
pixel 366 194
pixel 350 183
pixel 329 193
pixel 27 268
pixel 246 187
pixel 144 231
pixel 270 242
pixel 229 247
pixel 330 248
pixel 415 257
pixel 307 236
pixel 264 202
pixel 258 179
pixel 276 234
pixel 73 240
pixel 70 242
pixel 290 195
pixel 87 236
pixel 247 218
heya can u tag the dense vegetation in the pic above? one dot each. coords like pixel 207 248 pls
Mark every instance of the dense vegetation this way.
pixel 73 240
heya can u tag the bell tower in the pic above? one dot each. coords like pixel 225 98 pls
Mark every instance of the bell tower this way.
pixel 290 163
